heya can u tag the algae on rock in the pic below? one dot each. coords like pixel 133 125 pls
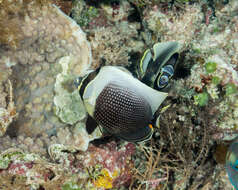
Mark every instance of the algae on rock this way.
pixel 69 106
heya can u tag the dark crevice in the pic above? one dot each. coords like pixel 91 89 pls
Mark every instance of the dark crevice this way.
pixel 12 130
pixel 135 15
pixel 41 188
pixel 181 72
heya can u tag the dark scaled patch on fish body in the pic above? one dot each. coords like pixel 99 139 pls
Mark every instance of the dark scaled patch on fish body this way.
pixel 123 112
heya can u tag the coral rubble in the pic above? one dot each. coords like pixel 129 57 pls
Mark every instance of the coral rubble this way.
pixel 99 167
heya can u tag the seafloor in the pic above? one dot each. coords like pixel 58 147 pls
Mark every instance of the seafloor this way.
pixel 45 45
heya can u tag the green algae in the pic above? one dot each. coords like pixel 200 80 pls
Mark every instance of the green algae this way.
pixel 210 67
pixel 4 162
pixel 70 186
pixel 216 80
pixel 83 14
pixel 201 99
pixel 230 89
pixel 69 106
pixel 7 157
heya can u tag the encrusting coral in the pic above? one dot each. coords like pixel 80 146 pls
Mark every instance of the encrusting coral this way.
pixel 49 52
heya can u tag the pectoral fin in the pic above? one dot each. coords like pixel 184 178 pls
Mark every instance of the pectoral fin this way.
pixel 91 124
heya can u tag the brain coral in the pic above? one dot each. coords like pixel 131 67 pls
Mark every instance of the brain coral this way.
pixel 42 51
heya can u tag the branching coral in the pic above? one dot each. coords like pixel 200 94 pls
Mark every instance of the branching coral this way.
pixel 112 48
pixel 112 45
pixel 172 157
pixel 186 145
pixel 152 174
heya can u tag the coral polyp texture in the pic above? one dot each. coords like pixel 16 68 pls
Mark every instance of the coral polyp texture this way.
pixel 50 52
pixel 38 67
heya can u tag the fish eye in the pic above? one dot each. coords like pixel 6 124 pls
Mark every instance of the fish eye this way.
pixel 162 81
pixel 166 73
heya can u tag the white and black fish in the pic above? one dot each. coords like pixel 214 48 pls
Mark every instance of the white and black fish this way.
pixel 121 104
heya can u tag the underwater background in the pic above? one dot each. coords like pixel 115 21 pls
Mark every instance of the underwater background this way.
pixel 45 45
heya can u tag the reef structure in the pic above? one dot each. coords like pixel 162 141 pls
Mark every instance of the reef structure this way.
pixel 43 140
pixel 44 52
pixel 39 54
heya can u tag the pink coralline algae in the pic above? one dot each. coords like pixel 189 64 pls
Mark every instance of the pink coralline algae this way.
pixel 29 171
pixel 19 168
pixel 112 159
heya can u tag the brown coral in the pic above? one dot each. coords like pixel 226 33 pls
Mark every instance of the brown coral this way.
pixel 10 14
pixel 43 36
